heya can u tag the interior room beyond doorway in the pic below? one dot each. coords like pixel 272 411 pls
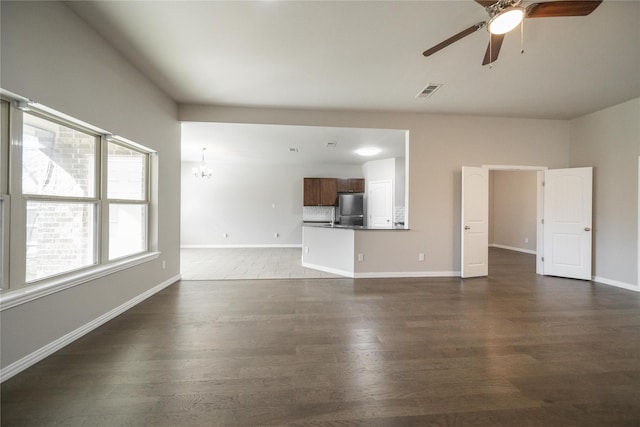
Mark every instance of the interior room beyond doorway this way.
pixel 513 210
pixel 246 263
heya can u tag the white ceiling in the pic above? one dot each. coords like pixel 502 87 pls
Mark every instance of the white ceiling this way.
pixel 367 55
pixel 230 142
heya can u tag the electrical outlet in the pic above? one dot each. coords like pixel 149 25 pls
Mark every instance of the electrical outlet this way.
pixel 164 264
pixel 276 235
pixel 306 249
pixel 225 235
pixel 420 256
pixel 526 240
pixel 360 257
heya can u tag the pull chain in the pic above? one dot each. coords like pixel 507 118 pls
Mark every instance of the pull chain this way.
pixel 522 36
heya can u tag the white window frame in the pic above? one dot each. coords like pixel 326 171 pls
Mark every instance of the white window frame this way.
pixel 108 202
pixel 16 291
pixel 5 201
pixel 5 207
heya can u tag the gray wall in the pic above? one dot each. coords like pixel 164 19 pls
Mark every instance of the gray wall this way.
pixel 439 146
pixel 512 206
pixel 239 200
pixel 609 140
pixel 51 56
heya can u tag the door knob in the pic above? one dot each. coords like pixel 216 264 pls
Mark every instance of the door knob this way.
pixel 587 229
pixel 466 227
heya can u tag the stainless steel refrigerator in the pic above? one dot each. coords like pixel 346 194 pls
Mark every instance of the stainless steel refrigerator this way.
pixel 350 209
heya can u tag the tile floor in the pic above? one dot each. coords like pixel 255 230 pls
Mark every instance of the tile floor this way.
pixel 246 263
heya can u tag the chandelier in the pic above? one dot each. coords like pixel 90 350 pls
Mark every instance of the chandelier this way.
pixel 202 171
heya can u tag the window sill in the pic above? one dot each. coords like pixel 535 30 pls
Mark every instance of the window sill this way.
pixel 13 298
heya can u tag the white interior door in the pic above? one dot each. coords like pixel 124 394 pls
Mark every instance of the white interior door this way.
pixel 380 203
pixel 567 222
pixel 475 222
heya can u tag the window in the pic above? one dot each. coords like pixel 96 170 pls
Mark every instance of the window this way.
pixel 80 198
pixel 59 185
pixel 127 191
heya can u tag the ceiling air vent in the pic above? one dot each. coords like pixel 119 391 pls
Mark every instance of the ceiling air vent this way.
pixel 293 150
pixel 332 144
pixel 428 90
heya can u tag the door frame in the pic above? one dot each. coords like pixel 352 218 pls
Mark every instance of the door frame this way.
pixel 539 205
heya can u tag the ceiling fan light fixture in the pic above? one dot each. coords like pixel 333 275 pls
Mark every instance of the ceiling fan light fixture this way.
pixel 506 20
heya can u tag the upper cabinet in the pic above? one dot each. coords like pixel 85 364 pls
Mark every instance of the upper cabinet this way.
pixel 350 185
pixel 320 192
pixel 324 191
pixel 311 191
pixel 328 192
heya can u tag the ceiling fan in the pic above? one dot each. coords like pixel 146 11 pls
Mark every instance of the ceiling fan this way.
pixel 505 15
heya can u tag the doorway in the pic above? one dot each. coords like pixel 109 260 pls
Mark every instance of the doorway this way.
pixel 475 217
pixel 512 220
pixel 247 218
pixel 563 221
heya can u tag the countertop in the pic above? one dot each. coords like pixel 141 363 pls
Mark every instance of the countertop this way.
pixel 352 227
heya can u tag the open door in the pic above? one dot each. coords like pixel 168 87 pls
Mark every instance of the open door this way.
pixel 567 222
pixel 475 222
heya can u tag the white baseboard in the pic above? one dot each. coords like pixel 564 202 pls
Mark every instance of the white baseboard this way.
pixel 238 246
pixel 33 358
pixel 400 274
pixel 616 283
pixel 382 274
pixel 512 248
pixel 328 270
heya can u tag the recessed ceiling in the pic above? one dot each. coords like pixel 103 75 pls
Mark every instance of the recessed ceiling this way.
pixel 361 55
pixel 229 142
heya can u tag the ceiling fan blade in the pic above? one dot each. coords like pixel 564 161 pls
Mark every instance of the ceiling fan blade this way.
pixel 493 49
pixel 562 8
pixel 486 3
pixel 455 38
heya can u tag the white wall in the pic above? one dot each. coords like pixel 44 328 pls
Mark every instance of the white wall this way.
pixel 51 56
pixel 439 146
pixel 330 250
pixel 400 181
pixel 513 203
pixel 239 199
pixel 609 140
pixel 380 170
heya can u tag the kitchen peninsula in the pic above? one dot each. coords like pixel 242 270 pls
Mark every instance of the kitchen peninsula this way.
pixel 341 249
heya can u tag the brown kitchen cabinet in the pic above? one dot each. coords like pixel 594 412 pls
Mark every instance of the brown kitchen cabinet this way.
pixel 320 192
pixel 350 185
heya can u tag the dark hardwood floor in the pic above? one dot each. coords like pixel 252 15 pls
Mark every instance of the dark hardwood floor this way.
pixel 513 349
